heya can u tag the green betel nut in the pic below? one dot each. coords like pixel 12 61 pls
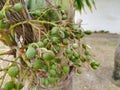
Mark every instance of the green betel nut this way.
pixel 18 7
pixel 48 55
pixel 75 46
pixel 31 52
pixel 9 85
pixel 13 71
pixel 37 65
pixel 87 32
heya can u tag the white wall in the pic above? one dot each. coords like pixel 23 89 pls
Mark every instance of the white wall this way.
pixel 105 17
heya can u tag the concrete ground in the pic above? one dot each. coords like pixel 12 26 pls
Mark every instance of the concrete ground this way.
pixel 102 50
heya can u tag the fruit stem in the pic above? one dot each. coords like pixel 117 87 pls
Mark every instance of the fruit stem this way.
pixel 4 53
pixel 38 29
pixel 17 24
pixel 3 78
pixel 4 7
pixel 26 61
pixel 43 22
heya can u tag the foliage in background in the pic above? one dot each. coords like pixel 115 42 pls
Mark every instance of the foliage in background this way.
pixel 80 4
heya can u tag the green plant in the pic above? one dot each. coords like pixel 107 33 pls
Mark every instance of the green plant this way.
pixel 18 7
pixel 56 42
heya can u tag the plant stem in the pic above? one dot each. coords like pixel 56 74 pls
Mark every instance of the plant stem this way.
pixel 8 60
pixel 43 22
pixel 3 78
pixel 3 69
pixel 7 2
pixel 37 29
pixel 4 53
pixel 17 24
pixel 26 61
pixel 34 21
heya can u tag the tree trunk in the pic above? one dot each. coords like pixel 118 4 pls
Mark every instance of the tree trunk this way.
pixel 116 72
pixel 24 30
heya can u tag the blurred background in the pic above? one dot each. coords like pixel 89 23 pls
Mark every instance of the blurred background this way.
pixel 105 17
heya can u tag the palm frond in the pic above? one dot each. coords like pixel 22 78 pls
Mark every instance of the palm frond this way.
pixel 81 3
pixel 88 4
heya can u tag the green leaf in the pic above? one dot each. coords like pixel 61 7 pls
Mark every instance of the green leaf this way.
pixel 80 4
pixel 93 2
pixel 89 4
